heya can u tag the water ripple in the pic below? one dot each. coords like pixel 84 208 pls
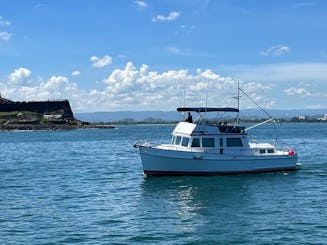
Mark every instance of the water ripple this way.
pixel 87 186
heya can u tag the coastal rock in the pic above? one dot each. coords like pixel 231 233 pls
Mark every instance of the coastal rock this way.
pixel 38 115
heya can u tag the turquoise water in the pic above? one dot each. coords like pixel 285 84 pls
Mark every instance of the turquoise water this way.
pixel 87 187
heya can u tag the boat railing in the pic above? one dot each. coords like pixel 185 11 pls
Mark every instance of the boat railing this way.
pixel 286 148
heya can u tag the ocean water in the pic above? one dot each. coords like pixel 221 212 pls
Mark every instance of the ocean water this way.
pixel 87 187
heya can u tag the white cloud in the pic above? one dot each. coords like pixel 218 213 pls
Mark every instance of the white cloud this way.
pixel 187 28
pixel 101 62
pixel 5 36
pixel 122 56
pixel 303 92
pixel 4 22
pixel 279 72
pixel 76 73
pixel 171 17
pixel 20 75
pixel 56 87
pixel 141 4
pixel 276 50
pixel 144 88
pixel 140 88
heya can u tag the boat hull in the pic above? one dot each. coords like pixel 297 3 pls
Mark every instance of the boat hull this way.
pixel 167 162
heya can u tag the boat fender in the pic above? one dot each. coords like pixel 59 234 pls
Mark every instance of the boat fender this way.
pixel 197 156
pixel 291 152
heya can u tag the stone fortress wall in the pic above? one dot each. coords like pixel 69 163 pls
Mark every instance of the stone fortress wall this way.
pixel 41 107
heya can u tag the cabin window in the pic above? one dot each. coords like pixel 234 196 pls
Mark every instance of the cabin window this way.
pixel 208 142
pixel 185 141
pixel 196 142
pixel 271 151
pixel 262 151
pixel 177 140
pixel 234 142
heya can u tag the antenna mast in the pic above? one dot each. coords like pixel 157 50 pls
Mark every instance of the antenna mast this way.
pixel 184 94
pixel 238 101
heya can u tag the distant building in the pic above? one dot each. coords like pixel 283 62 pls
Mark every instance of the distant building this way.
pixel 302 118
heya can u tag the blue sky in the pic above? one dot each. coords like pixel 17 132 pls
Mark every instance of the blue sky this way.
pixel 150 55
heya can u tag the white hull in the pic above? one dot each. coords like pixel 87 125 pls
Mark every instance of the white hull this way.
pixel 158 161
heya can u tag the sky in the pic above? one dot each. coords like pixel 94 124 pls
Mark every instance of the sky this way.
pixel 135 55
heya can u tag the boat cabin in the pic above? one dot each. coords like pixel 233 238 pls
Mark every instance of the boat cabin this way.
pixel 213 137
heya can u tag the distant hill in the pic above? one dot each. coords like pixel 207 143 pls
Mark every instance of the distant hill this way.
pixel 139 116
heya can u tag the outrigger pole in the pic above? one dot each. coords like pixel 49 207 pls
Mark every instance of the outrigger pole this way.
pixel 256 125
pixel 256 103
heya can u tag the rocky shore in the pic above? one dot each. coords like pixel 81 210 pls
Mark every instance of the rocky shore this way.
pixel 40 115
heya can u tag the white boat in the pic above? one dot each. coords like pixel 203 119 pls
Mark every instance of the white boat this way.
pixel 207 148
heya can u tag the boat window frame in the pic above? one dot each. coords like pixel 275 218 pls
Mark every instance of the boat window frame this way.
pixel 177 140
pixel 173 140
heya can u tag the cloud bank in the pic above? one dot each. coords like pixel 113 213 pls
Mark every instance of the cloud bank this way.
pixel 140 88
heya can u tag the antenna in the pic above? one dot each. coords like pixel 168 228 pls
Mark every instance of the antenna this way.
pixel 184 95
pixel 238 101
pixel 206 106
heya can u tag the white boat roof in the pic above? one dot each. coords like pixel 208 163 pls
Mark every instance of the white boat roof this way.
pixel 186 128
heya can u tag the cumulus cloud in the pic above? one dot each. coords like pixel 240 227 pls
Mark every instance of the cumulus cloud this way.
pixel 171 17
pixel 101 62
pixel 141 4
pixel 303 92
pixel 76 73
pixel 56 87
pixel 148 88
pixel 140 88
pixel 20 75
pixel 276 50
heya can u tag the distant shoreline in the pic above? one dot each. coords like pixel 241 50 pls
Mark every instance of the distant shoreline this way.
pixel 122 122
